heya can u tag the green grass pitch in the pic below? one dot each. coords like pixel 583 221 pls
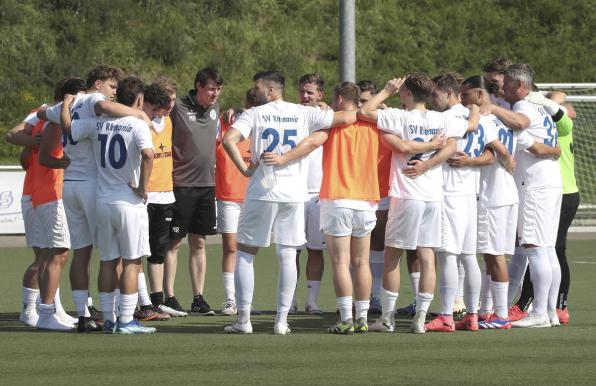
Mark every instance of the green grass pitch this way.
pixel 194 350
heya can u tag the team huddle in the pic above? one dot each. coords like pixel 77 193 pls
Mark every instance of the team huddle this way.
pixel 479 173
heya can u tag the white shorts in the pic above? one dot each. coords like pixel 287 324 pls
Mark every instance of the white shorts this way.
pixel 496 229
pixel 413 223
pixel 340 222
pixel 122 231
pixel 31 224
pixel 539 212
pixel 259 218
pixel 228 213
pixel 315 239
pixel 79 204
pixel 384 203
pixel 53 228
pixel 458 225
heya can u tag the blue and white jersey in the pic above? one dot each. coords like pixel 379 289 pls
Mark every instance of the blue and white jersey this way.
pixel 534 172
pixel 82 165
pixel 117 144
pixel 497 186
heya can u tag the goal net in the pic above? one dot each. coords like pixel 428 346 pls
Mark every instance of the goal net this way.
pixel 583 98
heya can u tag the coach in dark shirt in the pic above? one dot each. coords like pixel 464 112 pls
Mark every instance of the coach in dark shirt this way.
pixel 195 125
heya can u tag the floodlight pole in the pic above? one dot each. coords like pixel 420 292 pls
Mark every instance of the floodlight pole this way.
pixel 347 40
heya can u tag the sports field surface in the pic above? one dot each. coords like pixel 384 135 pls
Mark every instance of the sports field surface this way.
pixel 195 350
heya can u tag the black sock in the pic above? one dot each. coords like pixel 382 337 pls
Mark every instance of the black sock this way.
pixel 156 298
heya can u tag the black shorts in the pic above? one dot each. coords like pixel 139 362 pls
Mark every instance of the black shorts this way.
pixel 194 212
pixel 160 220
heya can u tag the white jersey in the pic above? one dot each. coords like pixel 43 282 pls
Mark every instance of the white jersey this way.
pixel 117 144
pixel 419 126
pixel 278 127
pixel 462 181
pixel 82 165
pixel 497 186
pixel 533 172
pixel 315 170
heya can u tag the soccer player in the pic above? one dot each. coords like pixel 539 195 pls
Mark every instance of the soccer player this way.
pixel 414 219
pixel 275 195
pixel 540 189
pixel 311 90
pixel 569 203
pixel 160 197
pixel 81 175
pixel 494 72
pixel 458 244
pixel 377 237
pixel 124 158
pixel 230 188
pixel 195 122
pixel 157 103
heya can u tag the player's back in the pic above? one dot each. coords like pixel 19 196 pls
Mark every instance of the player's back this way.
pixel 82 165
pixel 532 171
pixel 278 127
pixel 462 180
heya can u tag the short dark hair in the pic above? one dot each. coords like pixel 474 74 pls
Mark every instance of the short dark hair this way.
pixel 347 90
pixel 169 85
pixel 450 81
pixel 128 90
pixel 312 78
pixel 478 81
pixel 271 77
pixel 103 72
pixel 498 65
pixel 206 74
pixel 420 85
pixel 68 86
pixel 156 95
pixel 251 98
pixel 367 85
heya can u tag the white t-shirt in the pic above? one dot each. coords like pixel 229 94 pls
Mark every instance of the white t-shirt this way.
pixel 315 170
pixel 497 186
pixel 278 127
pixel 420 126
pixel 82 165
pixel 117 144
pixel 533 172
pixel 462 181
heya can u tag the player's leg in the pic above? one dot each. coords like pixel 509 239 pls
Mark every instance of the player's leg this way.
pixel 30 289
pixel 339 251
pixel 315 263
pixel 359 260
pixel 227 224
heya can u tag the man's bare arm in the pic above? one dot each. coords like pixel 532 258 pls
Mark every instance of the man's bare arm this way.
pixel 461 159
pixel 368 111
pixel 397 144
pixel 114 109
pixel 545 151
pixel 230 144
pixel 146 169
pixel 52 137
pixel 474 118
pixel 417 167
pixel 511 119
pixel 20 135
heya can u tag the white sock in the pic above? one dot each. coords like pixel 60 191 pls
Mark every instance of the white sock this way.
pixel 423 300
pixel 517 269
pixel 244 281
pixel 361 308
pixel 228 284
pixel 377 262
pixel 314 287
pixel 414 280
pixel 89 301
pixel 472 283
pixel 79 298
pixel 46 309
pixel 542 275
pixel 108 305
pixel 128 303
pixel 30 296
pixel 144 299
pixel 286 284
pixel 486 298
pixel 499 292
pixel 388 300
pixel 117 301
pixel 58 302
pixel 344 305
pixel 553 292
pixel 448 281
pixel 461 277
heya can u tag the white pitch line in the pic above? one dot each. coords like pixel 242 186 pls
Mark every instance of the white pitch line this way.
pixel 583 262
